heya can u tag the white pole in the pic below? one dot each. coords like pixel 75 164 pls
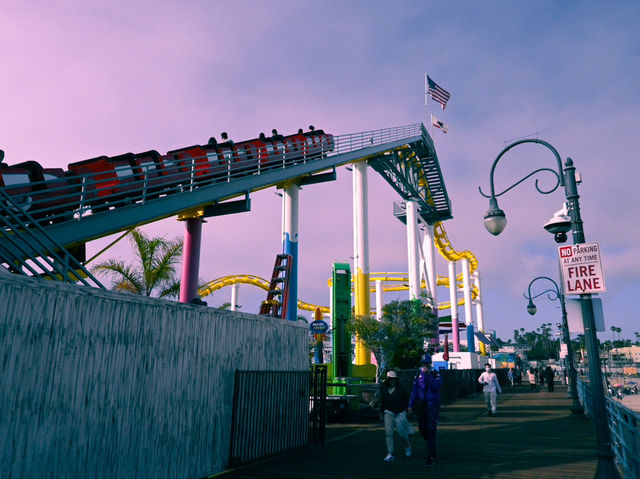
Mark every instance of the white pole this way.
pixel 361 252
pixel 428 247
pixel 290 244
pixel 453 297
pixel 412 248
pixel 378 299
pixel 234 296
pixel 468 310
pixel 479 317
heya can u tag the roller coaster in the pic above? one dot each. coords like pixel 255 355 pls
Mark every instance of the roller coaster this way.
pixel 398 280
pixel 47 215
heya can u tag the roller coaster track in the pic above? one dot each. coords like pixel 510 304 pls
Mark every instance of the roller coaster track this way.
pixel 413 177
pixel 441 241
pixel 405 156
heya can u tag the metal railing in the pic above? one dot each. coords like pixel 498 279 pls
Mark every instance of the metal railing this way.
pixel 624 425
pixel 36 257
pixel 365 139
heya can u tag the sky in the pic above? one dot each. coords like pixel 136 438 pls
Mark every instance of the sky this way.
pixel 87 78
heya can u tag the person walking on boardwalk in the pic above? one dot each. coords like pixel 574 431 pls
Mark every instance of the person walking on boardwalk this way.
pixel 518 376
pixel 512 376
pixel 532 379
pixel 549 377
pixel 490 389
pixel 394 401
pixel 425 402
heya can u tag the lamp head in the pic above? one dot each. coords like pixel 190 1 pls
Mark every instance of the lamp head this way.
pixel 531 308
pixel 494 219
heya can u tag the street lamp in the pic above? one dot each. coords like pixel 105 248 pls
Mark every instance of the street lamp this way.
pixel 556 294
pixel 495 221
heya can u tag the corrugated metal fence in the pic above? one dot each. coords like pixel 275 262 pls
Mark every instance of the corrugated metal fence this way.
pixel 271 412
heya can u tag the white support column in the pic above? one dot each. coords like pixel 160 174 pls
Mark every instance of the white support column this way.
pixel 361 252
pixel 453 297
pixel 413 243
pixel 479 317
pixel 234 296
pixel 378 299
pixel 428 248
pixel 290 244
pixel 468 311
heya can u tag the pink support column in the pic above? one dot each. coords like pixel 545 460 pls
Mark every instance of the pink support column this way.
pixel 453 295
pixel 190 259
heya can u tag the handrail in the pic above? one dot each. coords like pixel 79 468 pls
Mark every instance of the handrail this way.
pixel 624 426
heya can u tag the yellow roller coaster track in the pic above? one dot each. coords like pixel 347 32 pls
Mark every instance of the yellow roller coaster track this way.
pixel 441 241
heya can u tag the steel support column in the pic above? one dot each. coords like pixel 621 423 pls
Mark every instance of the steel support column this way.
pixel 378 300
pixel 428 248
pixel 191 259
pixel 361 252
pixel 234 296
pixel 468 311
pixel 479 315
pixel 413 249
pixel 290 244
pixel 453 296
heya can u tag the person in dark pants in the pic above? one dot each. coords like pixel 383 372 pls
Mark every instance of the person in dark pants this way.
pixel 425 401
pixel 393 402
pixel 549 377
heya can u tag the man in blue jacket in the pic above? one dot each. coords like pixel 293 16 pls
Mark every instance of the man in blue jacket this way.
pixel 425 401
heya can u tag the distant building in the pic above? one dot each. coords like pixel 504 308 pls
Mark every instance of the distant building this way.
pixel 516 349
pixel 629 354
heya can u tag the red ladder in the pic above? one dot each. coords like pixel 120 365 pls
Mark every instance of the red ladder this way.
pixel 276 303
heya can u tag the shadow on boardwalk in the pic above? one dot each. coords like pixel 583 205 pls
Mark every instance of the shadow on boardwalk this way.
pixel 533 436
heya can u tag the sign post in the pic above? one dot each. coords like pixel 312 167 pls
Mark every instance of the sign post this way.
pixel 581 269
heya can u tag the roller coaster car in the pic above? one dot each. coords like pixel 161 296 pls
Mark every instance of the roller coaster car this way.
pixel 271 152
pixel 158 173
pixel 46 189
pixel 17 184
pixel 107 181
pixel 317 144
pixel 193 158
pixel 295 148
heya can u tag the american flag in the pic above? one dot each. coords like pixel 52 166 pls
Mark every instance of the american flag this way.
pixel 438 93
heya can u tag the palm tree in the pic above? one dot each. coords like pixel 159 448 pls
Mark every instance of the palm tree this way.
pixel 155 271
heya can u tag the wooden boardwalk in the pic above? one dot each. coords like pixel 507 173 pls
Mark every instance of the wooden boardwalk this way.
pixel 533 436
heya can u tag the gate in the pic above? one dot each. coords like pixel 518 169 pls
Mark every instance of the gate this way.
pixel 318 405
pixel 272 413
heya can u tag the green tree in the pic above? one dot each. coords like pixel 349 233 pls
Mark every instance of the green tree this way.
pixel 540 342
pixel 398 339
pixel 154 270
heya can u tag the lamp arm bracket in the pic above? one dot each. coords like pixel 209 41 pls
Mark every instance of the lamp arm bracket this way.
pixel 553 295
pixel 544 192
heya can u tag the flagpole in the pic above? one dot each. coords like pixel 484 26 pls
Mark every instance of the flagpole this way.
pixel 426 100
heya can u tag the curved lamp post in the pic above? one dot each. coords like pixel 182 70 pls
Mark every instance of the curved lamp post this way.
pixel 495 221
pixel 555 294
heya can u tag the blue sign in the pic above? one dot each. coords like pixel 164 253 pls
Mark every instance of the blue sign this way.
pixel 318 327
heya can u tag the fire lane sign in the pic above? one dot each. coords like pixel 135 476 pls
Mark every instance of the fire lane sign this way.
pixel 581 268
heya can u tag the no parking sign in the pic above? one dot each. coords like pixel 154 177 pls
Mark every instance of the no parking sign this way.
pixel 581 268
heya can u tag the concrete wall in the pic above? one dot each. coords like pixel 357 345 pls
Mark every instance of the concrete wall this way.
pixel 99 384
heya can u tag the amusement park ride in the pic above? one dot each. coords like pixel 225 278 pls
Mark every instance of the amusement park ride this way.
pixel 47 215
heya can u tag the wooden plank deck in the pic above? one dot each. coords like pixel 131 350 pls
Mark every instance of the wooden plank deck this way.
pixel 533 436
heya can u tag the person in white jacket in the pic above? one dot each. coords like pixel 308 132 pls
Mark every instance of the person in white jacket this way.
pixel 491 388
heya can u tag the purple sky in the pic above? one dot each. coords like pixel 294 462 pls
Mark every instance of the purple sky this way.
pixel 82 79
